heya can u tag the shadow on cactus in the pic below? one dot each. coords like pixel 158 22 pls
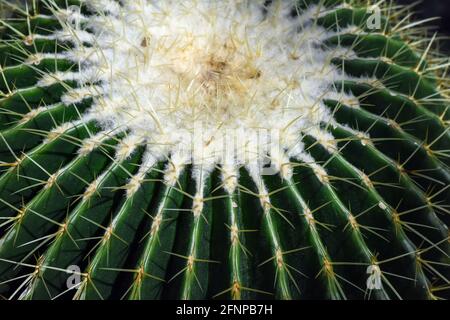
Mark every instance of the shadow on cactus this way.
pixel 222 149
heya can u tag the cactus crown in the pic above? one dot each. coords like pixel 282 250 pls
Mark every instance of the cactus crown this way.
pixel 134 137
pixel 195 78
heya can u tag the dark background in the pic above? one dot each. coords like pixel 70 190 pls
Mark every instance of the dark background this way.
pixel 434 8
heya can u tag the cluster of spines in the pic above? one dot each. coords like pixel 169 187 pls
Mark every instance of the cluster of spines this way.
pixel 335 200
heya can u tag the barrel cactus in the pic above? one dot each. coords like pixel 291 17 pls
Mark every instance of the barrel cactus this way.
pixel 222 150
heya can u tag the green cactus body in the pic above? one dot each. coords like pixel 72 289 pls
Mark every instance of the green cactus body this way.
pixel 104 193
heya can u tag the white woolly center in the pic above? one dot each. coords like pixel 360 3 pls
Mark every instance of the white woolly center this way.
pixel 222 81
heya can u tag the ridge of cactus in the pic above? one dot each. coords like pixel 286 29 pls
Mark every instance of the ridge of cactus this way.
pixel 235 149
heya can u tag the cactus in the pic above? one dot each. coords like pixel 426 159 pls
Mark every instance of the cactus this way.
pixel 222 149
